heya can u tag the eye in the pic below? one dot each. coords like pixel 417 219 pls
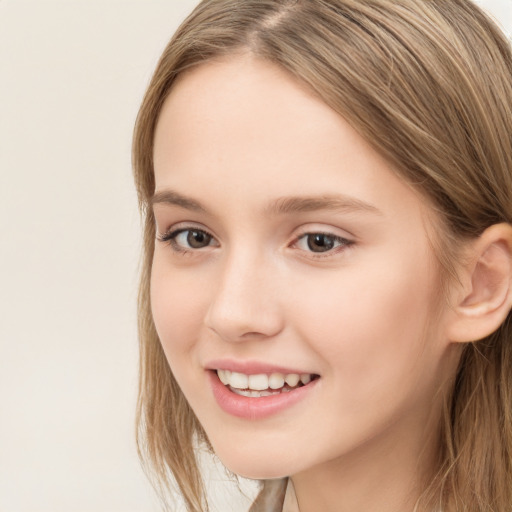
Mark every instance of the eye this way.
pixel 183 240
pixel 321 242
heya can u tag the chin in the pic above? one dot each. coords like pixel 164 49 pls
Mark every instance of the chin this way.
pixel 255 464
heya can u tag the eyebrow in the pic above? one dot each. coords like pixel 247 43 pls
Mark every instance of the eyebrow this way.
pixel 338 202
pixel 173 198
pixel 279 206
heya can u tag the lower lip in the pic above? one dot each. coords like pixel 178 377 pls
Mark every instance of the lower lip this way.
pixel 255 408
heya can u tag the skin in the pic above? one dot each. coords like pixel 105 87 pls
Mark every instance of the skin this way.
pixel 236 135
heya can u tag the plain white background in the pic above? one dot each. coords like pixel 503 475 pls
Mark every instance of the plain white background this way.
pixel 72 74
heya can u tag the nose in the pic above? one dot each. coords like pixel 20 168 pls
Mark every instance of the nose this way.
pixel 245 305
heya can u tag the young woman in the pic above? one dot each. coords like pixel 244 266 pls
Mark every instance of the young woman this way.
pixel 326 287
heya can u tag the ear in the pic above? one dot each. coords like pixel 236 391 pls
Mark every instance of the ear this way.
pixel 485 299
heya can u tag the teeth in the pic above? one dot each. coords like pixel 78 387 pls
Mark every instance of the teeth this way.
pixel 276 381
pixel 292 379
pixel 224 378
pixel 253 394
pixel 305 378
pixel 258 382
pixel 238 380
pixel 261 382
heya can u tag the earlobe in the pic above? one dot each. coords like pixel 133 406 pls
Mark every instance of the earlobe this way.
pixel 487 297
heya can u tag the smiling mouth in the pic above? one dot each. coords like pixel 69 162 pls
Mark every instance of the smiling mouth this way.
pixel 263 384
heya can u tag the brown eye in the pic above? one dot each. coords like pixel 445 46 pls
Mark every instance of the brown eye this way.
pixel 322 243
pixel 318 242
pixel 182 240
pixel 197 239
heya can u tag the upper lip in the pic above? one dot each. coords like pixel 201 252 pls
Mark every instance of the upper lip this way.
pixel 252 367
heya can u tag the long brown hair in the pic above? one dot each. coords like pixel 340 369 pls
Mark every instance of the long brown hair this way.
pixel 429 84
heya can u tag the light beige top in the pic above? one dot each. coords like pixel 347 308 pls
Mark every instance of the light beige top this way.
pixel 276 496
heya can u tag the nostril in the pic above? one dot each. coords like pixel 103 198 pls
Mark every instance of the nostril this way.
pixel 244 306
pixel 243 322
pixel 254 335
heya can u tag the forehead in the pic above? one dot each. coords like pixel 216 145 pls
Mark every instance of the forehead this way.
pixel 241 97
pixel 243 129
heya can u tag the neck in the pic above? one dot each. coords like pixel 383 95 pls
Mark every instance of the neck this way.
pixel 385 475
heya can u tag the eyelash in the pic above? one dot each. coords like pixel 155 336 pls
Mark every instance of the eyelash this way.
pixel 343 243
pixel 170 238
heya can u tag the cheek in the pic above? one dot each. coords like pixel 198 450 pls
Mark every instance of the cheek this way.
pixel 371 325
pixel 178 304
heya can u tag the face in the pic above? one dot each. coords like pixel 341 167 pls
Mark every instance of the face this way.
pixel 293 284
